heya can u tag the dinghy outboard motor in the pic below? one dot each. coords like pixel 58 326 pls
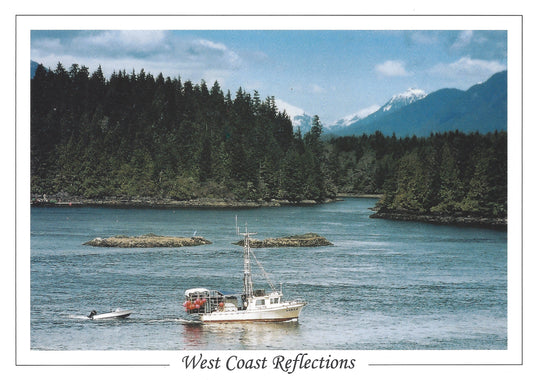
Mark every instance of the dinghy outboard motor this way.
pixel 92 314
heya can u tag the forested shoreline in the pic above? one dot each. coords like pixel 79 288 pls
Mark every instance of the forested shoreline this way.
pixel 138 135
pixel 449 174
pixel 135 136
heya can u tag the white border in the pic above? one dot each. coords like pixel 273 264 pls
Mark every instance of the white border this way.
pixel 513 355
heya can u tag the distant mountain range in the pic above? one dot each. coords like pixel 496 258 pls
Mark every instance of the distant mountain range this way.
pixel 352 119
pixel 482 108
pixel 394 104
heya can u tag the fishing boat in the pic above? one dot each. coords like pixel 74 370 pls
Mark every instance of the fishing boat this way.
pixel 249 306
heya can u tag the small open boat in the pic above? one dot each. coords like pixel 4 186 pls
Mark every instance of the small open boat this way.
pixel 118 313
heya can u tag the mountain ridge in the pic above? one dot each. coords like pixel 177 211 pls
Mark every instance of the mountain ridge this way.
pixel 481 108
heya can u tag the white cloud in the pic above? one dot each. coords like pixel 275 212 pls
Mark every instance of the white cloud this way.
pixel 463 39
pixel 468 66
pixel 210 50
pixel 212 45
pixel 49 44
pixel 155 51
pixel 125 42
pixel 141 38
pixel 392 69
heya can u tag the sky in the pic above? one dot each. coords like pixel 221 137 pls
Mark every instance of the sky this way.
pixel 329 73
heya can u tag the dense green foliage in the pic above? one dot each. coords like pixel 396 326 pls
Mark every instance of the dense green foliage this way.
pixel 136 135
pixel 139 135
pixel 450 173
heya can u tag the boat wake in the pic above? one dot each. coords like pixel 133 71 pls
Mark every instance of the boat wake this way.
pixel 71 316
pixel 161 320
pixel 291 320
pixel 188 321
pixel 175 320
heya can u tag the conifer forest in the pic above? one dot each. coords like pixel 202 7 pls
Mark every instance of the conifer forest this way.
pixel 139 135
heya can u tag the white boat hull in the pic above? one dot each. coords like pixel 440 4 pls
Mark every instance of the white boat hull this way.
pixel 113 314
pixel 283 312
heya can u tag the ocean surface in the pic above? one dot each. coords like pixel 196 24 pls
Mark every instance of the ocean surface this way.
pixel 383 285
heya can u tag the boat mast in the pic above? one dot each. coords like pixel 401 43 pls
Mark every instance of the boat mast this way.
pixel 248 286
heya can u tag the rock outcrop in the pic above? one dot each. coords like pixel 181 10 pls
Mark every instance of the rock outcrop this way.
pixel 147 241
pixel 305 240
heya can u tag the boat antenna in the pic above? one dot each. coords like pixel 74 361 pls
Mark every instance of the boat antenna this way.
pixel 236 225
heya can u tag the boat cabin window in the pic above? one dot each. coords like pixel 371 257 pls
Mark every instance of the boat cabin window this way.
pixel 259 302
pixel 275 300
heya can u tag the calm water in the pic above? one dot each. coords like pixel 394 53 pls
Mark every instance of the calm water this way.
pixel 384 284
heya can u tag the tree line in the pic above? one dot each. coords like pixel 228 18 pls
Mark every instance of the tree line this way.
pixel 139 135
pixel 447 173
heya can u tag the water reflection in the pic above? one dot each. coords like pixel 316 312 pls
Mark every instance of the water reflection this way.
pixel 240 336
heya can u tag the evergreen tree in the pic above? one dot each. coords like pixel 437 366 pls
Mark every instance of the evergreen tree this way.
pixel 205 164
pixel 412 184
pixel 451 191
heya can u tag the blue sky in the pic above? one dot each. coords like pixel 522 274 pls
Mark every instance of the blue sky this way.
pixel 331 73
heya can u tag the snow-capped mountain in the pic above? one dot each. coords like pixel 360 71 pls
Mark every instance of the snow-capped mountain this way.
pixel 298 116
pixel 375 112
pixel 353 118
pixel 481 108
pixel 302 120
pixel 405 98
